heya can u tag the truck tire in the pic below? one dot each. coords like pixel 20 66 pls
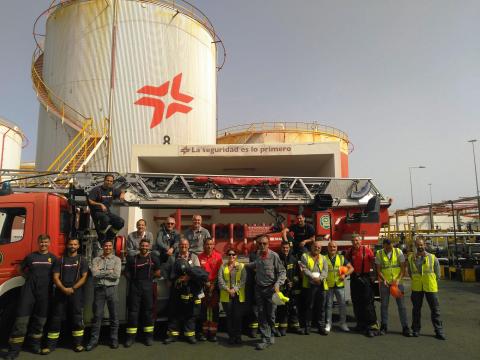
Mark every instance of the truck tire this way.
pixel 7 313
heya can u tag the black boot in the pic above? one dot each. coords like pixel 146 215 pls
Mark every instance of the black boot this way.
pixel 130 340
pixel 149 339
pixel 51 346
pixel 253 333
pixel 13 351
pixel 35 344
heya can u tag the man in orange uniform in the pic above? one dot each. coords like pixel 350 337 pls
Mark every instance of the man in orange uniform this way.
pixel 210 260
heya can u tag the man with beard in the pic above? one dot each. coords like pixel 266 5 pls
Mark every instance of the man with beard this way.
pixel 69 275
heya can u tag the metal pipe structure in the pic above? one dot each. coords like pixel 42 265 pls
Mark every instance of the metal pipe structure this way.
pixel 431 207
pixel 473 141
pixel 411 191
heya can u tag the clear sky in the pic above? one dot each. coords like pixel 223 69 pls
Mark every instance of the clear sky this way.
pixel 402 78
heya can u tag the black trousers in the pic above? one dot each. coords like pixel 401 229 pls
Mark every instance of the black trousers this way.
pixel 363 301
pixel 102 295
pixel 287 315
pixel 33 308
pixel 140 297
pixel 72 305
pixel 417 302
pixel 315 299
pixel 183 313
pixel 102 220
pixel 234 311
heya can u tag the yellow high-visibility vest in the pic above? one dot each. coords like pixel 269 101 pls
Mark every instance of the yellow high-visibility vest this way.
pixel 390 267
pixel 224 295
pixel 310 264
pixel 426 280
pixel 333 277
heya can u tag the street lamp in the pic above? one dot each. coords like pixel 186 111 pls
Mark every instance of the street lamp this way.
pixel 473 141
pixel 431 207
pixel 411 191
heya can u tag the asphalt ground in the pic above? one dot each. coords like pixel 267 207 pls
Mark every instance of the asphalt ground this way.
pixel 459 306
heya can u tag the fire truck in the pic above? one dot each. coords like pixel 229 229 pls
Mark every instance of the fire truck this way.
pixel 56 204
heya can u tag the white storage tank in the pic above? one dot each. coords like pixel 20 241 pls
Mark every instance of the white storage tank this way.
pixel 12 140
pixel 149 66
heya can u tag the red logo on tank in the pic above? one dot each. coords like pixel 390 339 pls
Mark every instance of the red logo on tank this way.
pixel 160 91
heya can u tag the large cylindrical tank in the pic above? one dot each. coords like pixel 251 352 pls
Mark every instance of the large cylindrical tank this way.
pixel 148 66
pixel 288 133
pixel 11 142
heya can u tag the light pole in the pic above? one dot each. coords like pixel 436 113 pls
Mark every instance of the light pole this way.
pixel 411 191
pixel 473 141
pixel 431 207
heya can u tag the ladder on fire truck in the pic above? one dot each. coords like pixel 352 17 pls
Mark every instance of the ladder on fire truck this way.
pixel 149 190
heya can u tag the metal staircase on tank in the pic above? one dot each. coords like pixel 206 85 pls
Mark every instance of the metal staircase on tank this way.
pixel 80 150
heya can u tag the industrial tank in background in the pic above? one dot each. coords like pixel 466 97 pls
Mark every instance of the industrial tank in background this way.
pixel 149 68
pixel 12 140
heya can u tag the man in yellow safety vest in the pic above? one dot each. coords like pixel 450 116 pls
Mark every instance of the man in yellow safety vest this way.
pixel 424 270
pixel 391 268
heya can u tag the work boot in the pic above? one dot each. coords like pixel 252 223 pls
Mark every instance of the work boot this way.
pixel 77 344
pixel 191 340
pixel 51 346
pixel 262 345
pixel 383 329
pixel 406 332
pixel 90 346
pixel 149 339
pixel 275 332
pixel 283 331
pixel 297 330
pixel 114 344
pixel 201 337
pixel 328 327
pixel 212 338
pixel 440 336
pixel 13 351
pixel 344 327
pixel 306 330
pixel 130 340
pixel 169 340
pixel 253 333
pixel 323 331
pixel 35 345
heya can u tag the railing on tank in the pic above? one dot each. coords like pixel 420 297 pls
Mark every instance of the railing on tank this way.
pixel 285 126
pixel 180 6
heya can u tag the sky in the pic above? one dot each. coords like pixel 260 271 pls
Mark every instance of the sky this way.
pixel 401 78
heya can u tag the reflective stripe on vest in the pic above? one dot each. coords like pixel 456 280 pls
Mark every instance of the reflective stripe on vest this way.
pixel 224 295
pixel 390 267
pixel 333 277
pixel 425 280
pixel 310 265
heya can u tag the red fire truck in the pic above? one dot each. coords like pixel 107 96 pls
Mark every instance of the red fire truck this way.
pixel 37 203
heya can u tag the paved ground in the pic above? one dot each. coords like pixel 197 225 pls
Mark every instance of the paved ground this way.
pixel 459 307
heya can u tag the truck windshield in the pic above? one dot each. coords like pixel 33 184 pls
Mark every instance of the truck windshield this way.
pixel 12 224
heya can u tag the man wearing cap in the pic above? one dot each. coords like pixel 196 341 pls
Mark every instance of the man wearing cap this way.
pixel 424 270
pixel 362 259
pixel 270 275
pixel 391 267
pixel 335 282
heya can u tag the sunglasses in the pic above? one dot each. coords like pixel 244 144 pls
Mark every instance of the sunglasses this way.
pixel 232 254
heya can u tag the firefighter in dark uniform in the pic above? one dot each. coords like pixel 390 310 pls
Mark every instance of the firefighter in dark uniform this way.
pixel 287 315
pixel 69 275
pixel 33 302
pixel 184 294
pixel 141 270
pixel 100 199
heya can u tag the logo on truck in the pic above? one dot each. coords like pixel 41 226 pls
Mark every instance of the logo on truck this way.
pixel 157 92
pixel 325 222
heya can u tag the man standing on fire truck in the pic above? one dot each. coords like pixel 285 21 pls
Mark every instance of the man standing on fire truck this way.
pixel 167 240
pixel 100 199
pixel 303 236
pixel 287 315
pixel 269 276
pixel 140 271
pixel 196 235
pixel 210 260
pixel 184 301
pixel 69 275
pixel 33 302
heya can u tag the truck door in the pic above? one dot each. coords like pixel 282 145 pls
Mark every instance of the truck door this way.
pixel 15 237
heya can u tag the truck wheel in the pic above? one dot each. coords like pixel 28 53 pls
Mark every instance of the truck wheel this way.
pixel 7 313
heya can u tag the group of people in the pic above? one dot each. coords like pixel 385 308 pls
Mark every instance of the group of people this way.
pixel 200 280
